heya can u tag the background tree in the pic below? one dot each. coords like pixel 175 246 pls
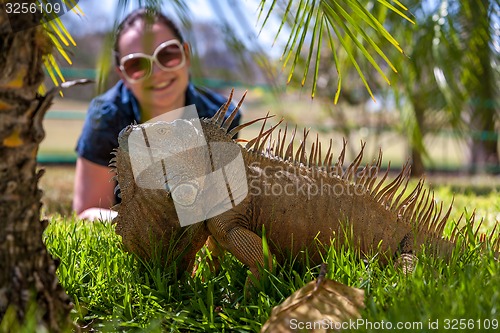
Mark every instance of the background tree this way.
pixel 419 100
pixel 448 79
pixel 473 30
pixel 453 68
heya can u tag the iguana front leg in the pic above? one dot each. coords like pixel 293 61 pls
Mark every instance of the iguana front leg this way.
pixel 244 244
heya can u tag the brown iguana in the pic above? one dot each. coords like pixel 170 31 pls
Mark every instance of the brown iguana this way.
pixel 326 200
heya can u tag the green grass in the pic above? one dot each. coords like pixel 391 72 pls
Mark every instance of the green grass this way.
pixel 112 291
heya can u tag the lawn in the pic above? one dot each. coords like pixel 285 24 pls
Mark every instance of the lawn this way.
pixel 112 291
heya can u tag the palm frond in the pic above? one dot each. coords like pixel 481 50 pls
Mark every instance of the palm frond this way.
pixel 347 20
pixel 61 40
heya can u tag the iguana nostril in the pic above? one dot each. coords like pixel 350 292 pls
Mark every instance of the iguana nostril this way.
pixel 185 194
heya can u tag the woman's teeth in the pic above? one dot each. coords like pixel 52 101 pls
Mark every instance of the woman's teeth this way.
pixel 162 85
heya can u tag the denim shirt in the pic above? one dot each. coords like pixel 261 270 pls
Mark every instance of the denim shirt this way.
pixel 111 112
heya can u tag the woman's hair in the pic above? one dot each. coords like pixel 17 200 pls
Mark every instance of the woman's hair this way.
pixel 146 15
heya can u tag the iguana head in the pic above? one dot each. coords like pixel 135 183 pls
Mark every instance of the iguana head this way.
pixel 156 166
pixel 168 156
pixel 164 171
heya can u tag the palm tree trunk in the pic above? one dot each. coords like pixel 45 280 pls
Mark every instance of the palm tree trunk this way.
pixel 484 152
pixel 417 161
pixel 416 132
pixel 27 272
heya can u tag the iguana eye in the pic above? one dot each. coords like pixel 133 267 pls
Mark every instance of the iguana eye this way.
pixel 161 130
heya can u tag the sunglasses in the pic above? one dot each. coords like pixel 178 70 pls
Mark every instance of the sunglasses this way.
pixel 169 56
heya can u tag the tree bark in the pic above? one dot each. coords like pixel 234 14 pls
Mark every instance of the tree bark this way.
pixel 27 272
pixel 417 163
pixel 417 133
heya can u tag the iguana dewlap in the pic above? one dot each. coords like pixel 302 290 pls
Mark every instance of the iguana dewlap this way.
pixel 297 197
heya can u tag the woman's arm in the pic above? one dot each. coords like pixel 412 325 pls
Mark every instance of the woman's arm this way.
pixel 93 191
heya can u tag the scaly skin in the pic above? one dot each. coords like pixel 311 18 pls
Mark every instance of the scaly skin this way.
pixel 312 199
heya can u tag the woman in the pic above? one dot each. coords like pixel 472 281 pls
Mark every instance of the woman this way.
pixel 153 62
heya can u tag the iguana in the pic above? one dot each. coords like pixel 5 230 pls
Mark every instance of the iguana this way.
pixel 326 200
